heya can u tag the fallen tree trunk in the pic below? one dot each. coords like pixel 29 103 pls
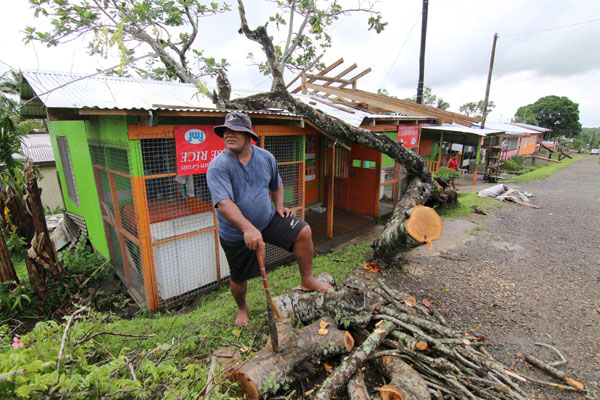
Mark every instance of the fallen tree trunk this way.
pixel 266 371
pixel 348 307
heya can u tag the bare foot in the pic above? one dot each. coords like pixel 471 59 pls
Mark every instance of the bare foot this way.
pixel 313 284
pixel 242 316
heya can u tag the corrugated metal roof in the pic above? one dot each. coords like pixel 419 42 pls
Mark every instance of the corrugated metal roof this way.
pixel 533 127
pixel 37 147
pixel 66 90
pixel 461 129
pixel 350 115
pixel 510 129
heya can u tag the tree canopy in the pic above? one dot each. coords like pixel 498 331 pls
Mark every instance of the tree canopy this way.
pixel 169 32
pixel 553 112
pixel 473 109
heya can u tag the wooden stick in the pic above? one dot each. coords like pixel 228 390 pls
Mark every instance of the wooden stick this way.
pixel 536 362
pixel 346 369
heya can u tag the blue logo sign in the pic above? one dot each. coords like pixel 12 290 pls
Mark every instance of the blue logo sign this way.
pixel 195 136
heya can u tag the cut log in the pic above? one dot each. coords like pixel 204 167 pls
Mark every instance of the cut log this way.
pixel 345 306
pixel 357 389
pixel 423 226
pixel 405 382
pixel 266 371
pixel 351 363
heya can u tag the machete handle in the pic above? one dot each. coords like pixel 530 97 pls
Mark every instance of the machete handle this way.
pixel 260 255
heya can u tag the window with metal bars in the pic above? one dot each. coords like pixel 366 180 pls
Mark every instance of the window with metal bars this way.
pixel 65 157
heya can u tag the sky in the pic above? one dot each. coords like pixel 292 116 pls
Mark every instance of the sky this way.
pixel 545 47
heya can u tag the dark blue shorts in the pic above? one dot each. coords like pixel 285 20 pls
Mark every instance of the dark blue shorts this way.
pixel 243 264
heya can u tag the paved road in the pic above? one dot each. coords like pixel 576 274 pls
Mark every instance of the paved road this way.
pixel 528 276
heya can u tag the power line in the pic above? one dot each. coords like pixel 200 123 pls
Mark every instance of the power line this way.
pixel 553 29
pixel 400 51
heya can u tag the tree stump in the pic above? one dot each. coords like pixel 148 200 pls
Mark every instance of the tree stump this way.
pixel 266 371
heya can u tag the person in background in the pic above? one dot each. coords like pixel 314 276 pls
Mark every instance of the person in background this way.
pixel 243 181
pixel 453 164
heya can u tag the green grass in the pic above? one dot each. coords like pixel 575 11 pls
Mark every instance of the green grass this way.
pixel 214 316
pixel 544 172
pixel 465 203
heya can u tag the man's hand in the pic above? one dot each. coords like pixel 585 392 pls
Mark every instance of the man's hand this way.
pixel 285 212
pixel 253 239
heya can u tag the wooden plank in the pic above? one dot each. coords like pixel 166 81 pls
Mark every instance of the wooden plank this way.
pixel 328 79
pixel 331 194
pixel 322 73
pixel 391 104
pixel 138 188
pixel 90 111
pixel 312 64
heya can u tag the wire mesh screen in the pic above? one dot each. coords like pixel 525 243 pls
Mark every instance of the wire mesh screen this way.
pixel 392 179
pixel 182 224
pixel 289 153
pixel 115 194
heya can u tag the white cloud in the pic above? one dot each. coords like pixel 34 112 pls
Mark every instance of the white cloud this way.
pixel 562 62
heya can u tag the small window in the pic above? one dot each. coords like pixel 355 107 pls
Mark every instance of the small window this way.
pixel 65 157
pixel 357 163
pixel 369 164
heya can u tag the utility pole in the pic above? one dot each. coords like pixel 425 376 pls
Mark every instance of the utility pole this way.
pixel 422 56
pixel 485 103
pixel 489 82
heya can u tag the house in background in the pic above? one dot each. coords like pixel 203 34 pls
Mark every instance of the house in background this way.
pixel 128 166
pixel 37 146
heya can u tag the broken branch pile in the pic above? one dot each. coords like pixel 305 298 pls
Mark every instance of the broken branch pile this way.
pixel 405 341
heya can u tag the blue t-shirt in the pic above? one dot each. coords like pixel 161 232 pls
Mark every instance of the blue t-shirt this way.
pixel 247 186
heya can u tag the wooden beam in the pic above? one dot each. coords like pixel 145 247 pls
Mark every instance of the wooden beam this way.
pixel 332 105
pixel 328 79
pixel 395 105
pixel 322 73
pixel 312 64
pixel 93 111
pixel 341 74
pixel 330 202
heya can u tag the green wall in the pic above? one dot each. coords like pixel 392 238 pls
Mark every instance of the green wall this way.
pixel 75 132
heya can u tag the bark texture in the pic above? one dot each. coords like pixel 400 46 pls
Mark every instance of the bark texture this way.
pixel 347 307
pixel 405 382
pixel 347 368
pixel 42 261
pixel 357 389
pixel 7 269
pixel 266 371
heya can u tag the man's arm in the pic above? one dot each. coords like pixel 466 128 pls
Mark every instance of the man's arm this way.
pixel 277 197
pixel 252 236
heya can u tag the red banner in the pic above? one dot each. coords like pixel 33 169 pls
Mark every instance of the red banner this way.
pixel 196 146
pixel 408 135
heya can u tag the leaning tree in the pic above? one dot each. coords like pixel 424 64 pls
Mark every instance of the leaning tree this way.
pixel 168 29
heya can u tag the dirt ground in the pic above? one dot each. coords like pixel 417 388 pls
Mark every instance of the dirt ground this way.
pixel 522 276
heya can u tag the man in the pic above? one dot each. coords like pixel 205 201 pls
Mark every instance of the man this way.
pixel 453 164
pixel 243 180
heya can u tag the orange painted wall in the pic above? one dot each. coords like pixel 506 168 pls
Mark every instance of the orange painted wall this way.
pixel 528 144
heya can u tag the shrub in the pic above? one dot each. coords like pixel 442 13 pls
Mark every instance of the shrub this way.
pixel 17 246
pixel 447 173
pixel 513 164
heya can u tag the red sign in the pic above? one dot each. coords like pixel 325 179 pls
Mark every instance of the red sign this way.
pixel 196 146
pixel 408 135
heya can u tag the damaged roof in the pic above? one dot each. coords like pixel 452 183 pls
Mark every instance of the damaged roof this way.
pixel 58 90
